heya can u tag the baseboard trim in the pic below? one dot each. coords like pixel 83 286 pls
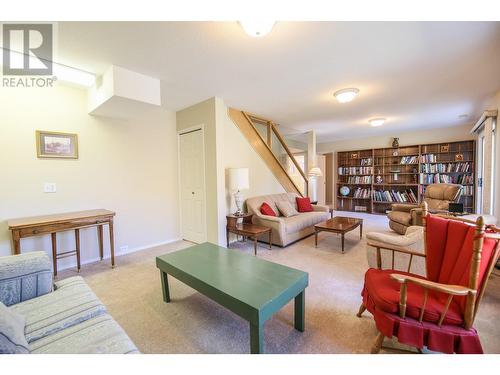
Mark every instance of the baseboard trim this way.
pixel 120 253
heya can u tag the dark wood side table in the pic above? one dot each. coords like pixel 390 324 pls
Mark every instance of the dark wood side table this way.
pixel 51 224
pixel 340 225
pixel 246 229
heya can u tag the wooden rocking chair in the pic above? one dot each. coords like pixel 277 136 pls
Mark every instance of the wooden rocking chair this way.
pixel 437 311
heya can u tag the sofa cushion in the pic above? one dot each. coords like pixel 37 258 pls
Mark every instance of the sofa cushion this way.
pixel 304 220
pixel 266 209
pixel 254 203
pixel 286 208
pixel 71 303
pixel 400 217
pixel 12 340
pixel 385 292
pixel 98 335
pixel 304 204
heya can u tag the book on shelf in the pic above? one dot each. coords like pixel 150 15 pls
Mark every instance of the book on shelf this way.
pixel 354 170
pixel 437 178
pixel 366 161
pixel 409 160
pixel 360 193
pixel 406 196
pixel 468 190
pixel 446 168
pixel 428 158
pixel 359 180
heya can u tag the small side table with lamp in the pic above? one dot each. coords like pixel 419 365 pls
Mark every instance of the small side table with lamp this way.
pixel 238 180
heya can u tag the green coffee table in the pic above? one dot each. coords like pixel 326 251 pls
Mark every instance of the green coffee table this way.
pixel 250 287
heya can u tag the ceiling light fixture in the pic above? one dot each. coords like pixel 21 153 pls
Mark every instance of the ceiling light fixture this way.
pixel 346 95
pixel 462 116
pixel 377 121
pixel 257 29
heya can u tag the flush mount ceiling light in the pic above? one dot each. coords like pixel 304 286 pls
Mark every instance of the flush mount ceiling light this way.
pixel 257 29
pixel 462 116
pixel 346 95
pixel 377 121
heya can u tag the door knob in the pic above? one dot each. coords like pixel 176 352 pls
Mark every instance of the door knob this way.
pixel 192 192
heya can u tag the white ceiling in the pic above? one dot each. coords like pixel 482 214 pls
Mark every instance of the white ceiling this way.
pixel 416 74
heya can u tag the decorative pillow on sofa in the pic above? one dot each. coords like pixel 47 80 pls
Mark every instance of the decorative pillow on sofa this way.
pixel 12 339
pixel 266 209
pixel 286 208
pixel 304 204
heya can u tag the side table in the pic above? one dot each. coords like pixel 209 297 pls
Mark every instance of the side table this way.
pixel 246 229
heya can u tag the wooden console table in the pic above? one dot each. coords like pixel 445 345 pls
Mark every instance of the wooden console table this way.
pixel 51 224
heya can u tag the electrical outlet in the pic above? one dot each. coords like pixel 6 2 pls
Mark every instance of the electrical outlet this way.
pixel 123 249
pixel 49 187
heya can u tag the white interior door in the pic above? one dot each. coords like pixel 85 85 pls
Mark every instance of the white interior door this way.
pixel 192 186
pixel 321 162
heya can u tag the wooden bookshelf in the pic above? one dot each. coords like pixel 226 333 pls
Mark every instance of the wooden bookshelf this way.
pixel 379 177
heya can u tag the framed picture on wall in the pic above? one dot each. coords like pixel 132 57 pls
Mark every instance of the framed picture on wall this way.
pixel 56 145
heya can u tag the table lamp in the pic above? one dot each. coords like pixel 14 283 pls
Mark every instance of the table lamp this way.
pixel 238 180
pixel 314 173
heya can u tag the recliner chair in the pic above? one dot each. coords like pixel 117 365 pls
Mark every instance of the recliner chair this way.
pixel 437 196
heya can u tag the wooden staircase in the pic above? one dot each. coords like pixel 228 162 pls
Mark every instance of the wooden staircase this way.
pixel 272 148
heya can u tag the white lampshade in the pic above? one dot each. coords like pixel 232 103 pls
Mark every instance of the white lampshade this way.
pixel 316 172
pixel 238 178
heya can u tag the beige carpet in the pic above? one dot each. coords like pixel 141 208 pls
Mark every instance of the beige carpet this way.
pixel 192 323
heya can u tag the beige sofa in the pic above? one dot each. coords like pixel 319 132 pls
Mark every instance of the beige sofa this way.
pixel 286 230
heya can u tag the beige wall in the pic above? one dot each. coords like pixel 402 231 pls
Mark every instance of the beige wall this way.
pixel 450 134
pixel 129 167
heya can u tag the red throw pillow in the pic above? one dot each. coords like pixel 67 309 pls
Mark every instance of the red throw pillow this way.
pixel 266 209
pixel 304 204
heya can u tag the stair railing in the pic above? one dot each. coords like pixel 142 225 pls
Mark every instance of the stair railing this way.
pixel 270 135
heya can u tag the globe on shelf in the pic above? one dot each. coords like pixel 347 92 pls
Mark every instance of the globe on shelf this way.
pixel 344 190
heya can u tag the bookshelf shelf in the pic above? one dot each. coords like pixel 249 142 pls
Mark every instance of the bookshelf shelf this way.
pixel 401 175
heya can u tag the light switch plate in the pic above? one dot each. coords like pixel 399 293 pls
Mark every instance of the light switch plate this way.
pixel 49 187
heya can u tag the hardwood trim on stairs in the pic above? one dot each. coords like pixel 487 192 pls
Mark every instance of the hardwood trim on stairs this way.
pixel 244 123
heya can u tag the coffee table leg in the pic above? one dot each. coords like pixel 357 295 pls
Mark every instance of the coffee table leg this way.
pixel 300 311
pixel 164 286
pixel 256 338
pixel 316 238
pixel 342 243
pixel 361 230
pixel 255 246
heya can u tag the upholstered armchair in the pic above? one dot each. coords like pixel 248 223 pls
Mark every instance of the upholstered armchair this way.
pixel 435 311
pixel 437 196
pixel 378 256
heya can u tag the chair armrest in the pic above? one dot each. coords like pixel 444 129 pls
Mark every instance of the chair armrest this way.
pixel 24 276
pixel 380 245
pixel 455 290
pixel 403 207
pixel 319 208
pixel 451 290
